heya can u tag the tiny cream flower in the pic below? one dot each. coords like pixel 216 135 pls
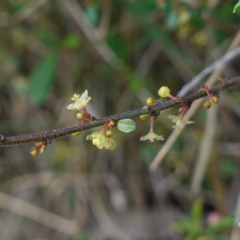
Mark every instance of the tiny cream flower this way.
pixel 151 136
pixel 102 140
pixel 80 101
pixel 110 144
pixel 179 120
pixel 98 139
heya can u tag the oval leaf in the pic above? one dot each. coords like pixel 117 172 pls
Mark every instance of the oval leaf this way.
pixel 126 125
pixel 41 79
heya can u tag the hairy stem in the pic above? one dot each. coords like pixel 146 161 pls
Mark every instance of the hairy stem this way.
pixel 47 136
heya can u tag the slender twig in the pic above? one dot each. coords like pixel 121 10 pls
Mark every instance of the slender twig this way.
pixel 23 208
pixel 47 136
pixel 22 14
pixel 218 63
pixel 92 34
pixel 205 151
pixel 175 133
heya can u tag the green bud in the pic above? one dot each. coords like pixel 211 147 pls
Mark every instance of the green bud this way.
pixel 76 134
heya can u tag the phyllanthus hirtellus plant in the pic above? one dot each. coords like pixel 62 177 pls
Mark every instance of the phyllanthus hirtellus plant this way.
pixel 103 138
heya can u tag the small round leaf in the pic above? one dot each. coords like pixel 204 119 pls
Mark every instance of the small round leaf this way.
pixel 126 125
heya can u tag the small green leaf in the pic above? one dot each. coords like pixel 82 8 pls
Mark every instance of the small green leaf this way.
pixel 221 226
pixel 197 210
pixel 72 42
pixel 126 125
pixel 185 225
pixel 42 78
pixel 117 44
pixel 236 7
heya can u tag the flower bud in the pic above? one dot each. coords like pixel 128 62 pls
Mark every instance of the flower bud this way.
pixel 150 101
pixel 43 148
pixel 108 133
pixel 79 115
pixel 111 123
pixel 75 134
pixel 214 99
pixel 207 104
pixel 143 117
pixel 163 92
pixel 34 152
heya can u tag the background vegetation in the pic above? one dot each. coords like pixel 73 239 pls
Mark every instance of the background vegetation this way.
pixel 121 51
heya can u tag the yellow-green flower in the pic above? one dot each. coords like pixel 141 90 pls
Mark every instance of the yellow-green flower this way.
pixel 179 120
pixel 110 143
pixel 98 139
pixel 151 136
pixel 80 101
pixel 40 147
pixel 34 152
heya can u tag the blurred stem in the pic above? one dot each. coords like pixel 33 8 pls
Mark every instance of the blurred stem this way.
pixel 205 151
pixel 216 184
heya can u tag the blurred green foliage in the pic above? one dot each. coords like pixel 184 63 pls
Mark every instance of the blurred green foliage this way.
pixel 194 228
pixel 41 80
pixel 236 7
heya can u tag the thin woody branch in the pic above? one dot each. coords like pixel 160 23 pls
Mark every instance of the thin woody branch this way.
pixel 47 136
